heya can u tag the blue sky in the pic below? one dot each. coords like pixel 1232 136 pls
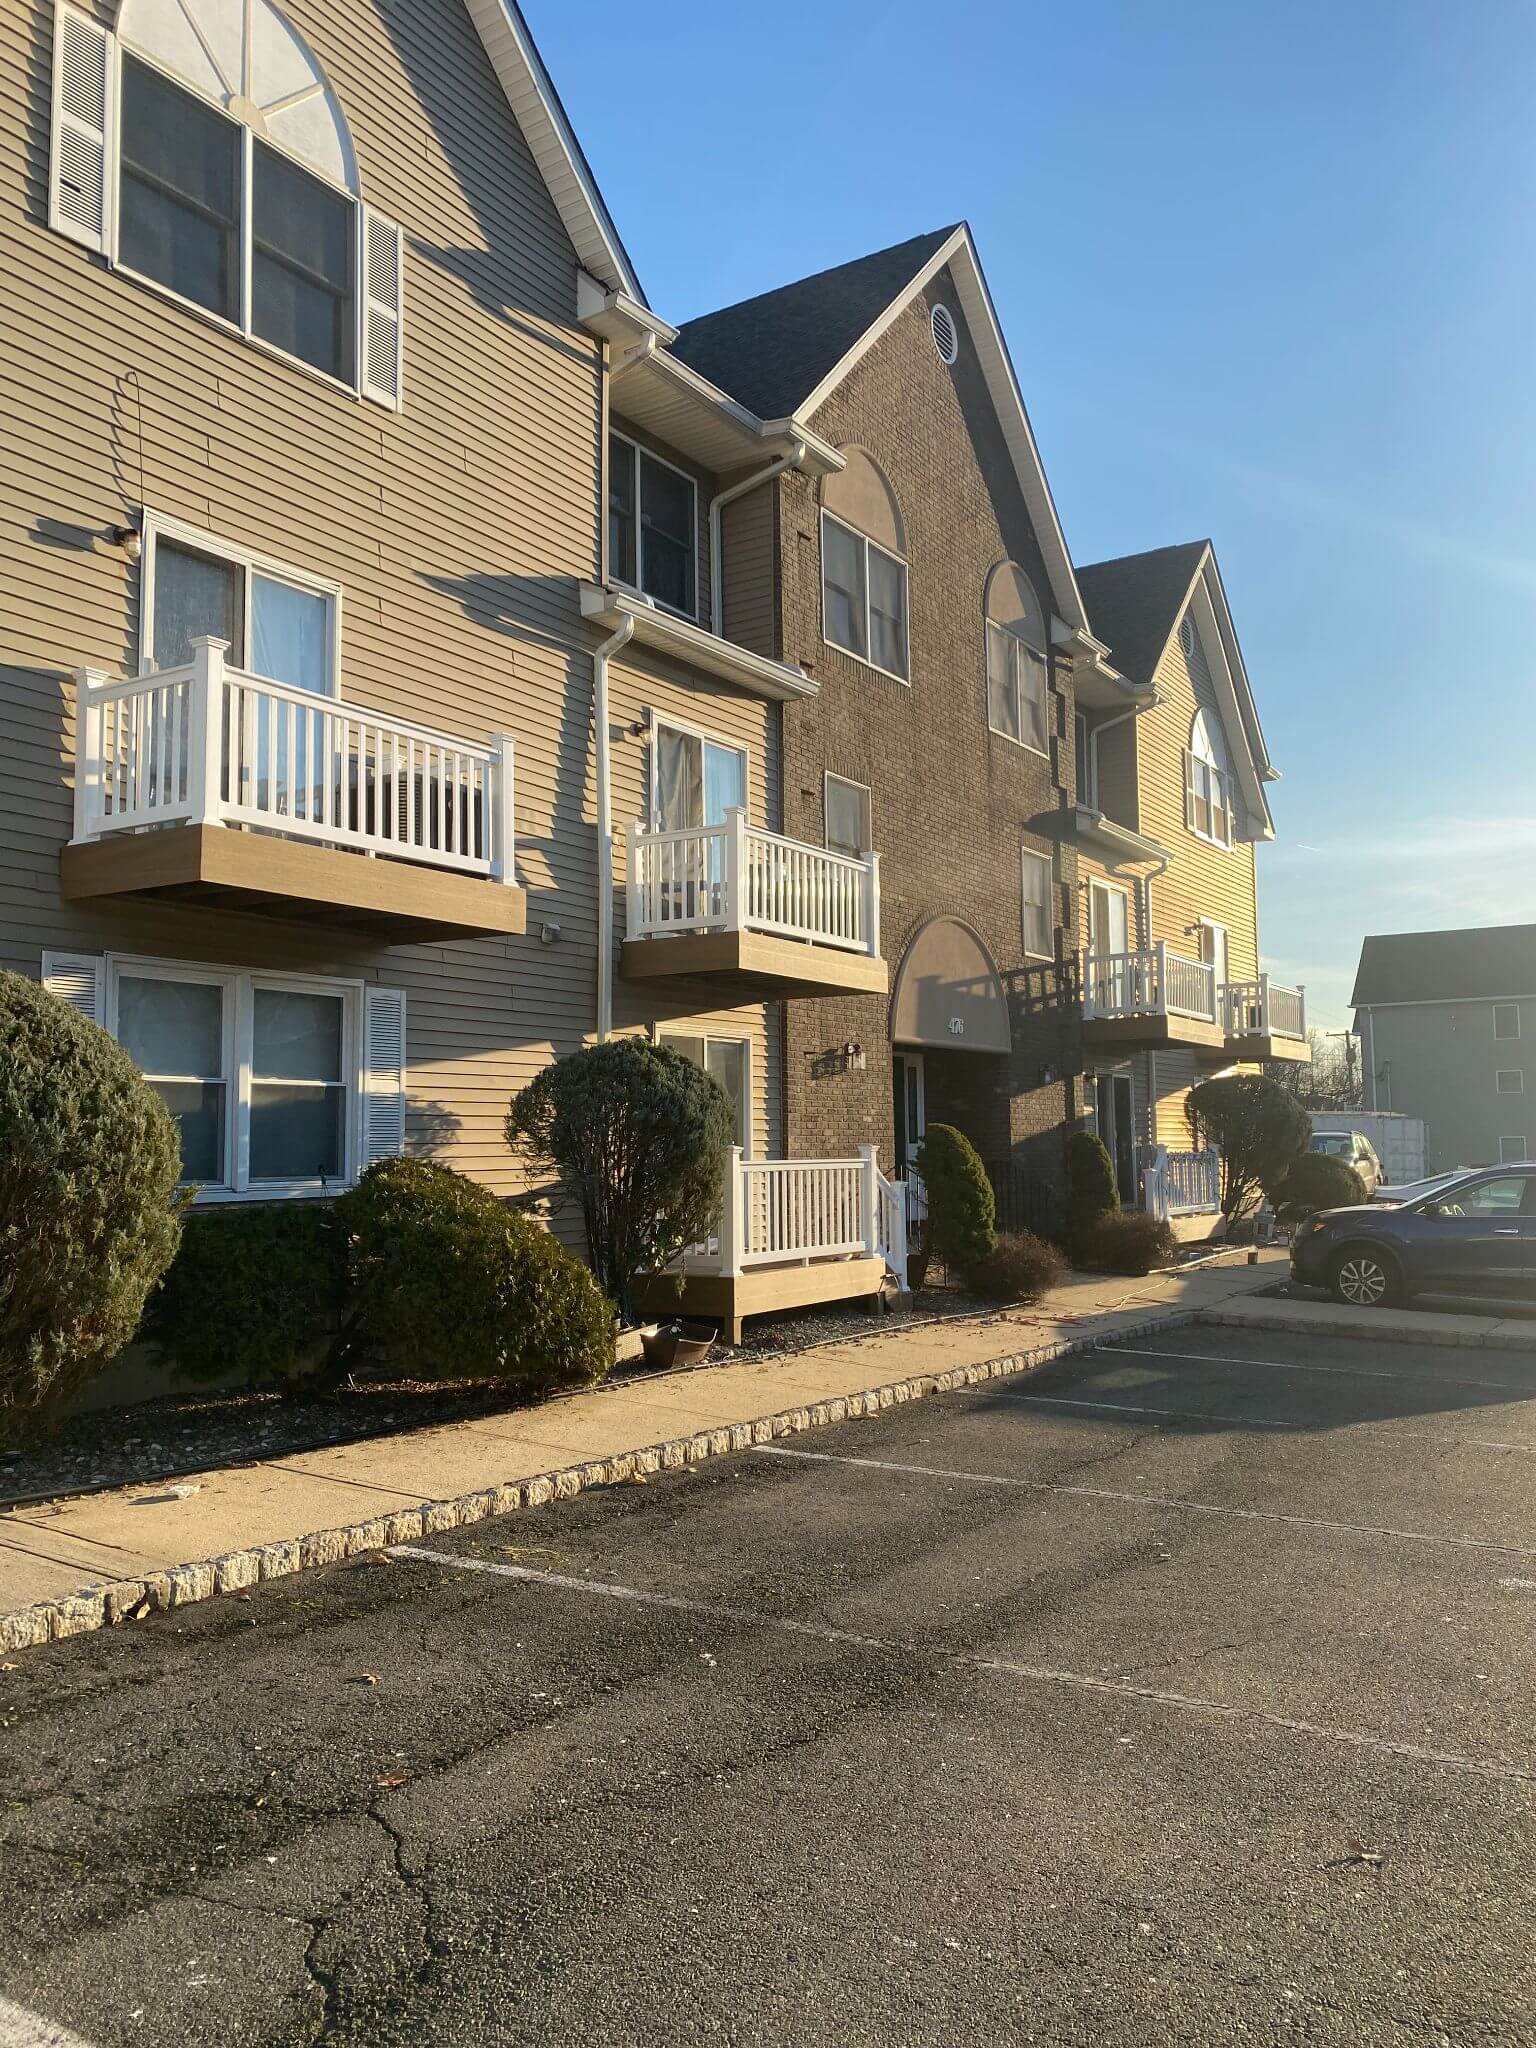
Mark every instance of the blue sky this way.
pixel 1266 274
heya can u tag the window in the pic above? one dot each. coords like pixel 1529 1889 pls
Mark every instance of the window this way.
pixel 1207 785
pixel 863 598
pixel 201 151
pixel 1018 692
pixel 1511 1081
pixel 1213 948
pixel 1511 1149
pixel 298 1087
pixel 1037 905
pixel 652 526
pixel 277 625
pixel 848 817
pixel 1109 919
pixel 729 1060
pixel 1087 780
pixel 1489 1198
pixel 1506 1020
pixel 695 780
pixel 176 1032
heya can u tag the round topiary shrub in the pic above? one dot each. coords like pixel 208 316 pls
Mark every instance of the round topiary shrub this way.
pixel 1128 1241
pixel 256 1292
pixel 1019 1267
pixel 1315 1181
pixel 446 1282
pixel 89 1209
pixel 1092 1190
pixel 962 1208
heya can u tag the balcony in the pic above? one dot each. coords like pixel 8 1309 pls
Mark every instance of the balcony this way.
pixel 1149 998
pixel 1264 1021
pixel 206 785
pixel 736 903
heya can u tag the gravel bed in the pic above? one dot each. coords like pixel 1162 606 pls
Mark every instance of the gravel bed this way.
pixel 195 1432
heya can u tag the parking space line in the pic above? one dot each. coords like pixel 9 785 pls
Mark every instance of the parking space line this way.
pixel 1433 1436
pixel 1148 1500
pixel 1039 1674
pixel 1368 1372
pixel 22 2029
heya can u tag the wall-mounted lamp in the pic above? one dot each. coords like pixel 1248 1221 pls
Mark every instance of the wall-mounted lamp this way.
pixel 549 934
pixel 129 539
pixel 637 729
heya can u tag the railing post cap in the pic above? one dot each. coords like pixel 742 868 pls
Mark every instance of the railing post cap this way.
pixel 210 640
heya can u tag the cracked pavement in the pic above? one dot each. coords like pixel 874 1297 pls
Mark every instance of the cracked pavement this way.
pixel 983 1792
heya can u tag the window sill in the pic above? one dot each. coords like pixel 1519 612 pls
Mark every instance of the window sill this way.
pixel 672 611
pixel 1024 746
pixel 864 662
pixel 234 330
pixel 208 1197
pixel 1209 839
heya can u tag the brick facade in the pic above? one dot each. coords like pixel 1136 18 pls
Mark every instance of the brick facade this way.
pixel 952 803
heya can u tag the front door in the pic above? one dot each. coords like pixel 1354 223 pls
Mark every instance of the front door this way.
pixel 910 1117
pixel 1117 1131
pixel 1483 1241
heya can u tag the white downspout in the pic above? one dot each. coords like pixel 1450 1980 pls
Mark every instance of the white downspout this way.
pixel 600 656
pixel 717 504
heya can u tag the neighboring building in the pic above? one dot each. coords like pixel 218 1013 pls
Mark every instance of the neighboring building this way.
pixel 1445 1020
pixel 1170 803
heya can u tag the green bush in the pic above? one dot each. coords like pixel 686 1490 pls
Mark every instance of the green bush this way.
pixel 1316 1181
pixel 90 1214
pixel 1259 1128
pixel 1128 1241
pixel 637 1137
pixel 1019 1267
pixel 446 1282
pixel 1092 1190
pixel 257 1292
pixel 962 1209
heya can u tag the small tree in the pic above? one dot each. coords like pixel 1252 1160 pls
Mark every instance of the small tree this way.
pixel 637 1137
pixel 1259 1130
pixel 89 1212
pixel 1092 1190
pixel 1315 1181
pixel 962 1208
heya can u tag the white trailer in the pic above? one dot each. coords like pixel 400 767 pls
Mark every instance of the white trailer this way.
pixel 1401 1141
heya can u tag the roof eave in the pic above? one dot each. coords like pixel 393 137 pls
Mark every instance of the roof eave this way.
pixel 666 633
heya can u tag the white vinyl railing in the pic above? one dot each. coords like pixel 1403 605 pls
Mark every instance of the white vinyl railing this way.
pixel 1263 1009
pixel 738 877
pixel 785 1212
pixel 208 744
pixel 1182 1183
pixel 1154 982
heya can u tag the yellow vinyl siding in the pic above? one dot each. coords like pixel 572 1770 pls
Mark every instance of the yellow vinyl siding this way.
pixel 1175 1070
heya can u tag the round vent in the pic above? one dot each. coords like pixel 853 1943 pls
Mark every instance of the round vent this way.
pixel 1187 636
pixel 946 336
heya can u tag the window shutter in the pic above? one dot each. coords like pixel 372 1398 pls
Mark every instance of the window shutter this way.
pixel 383 1073
pixel 383 311
pixel 78 979
pixel 79 180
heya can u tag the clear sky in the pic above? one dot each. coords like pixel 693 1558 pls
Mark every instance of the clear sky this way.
pixel 1268 273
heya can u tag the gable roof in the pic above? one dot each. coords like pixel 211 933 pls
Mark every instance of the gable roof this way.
pixel 785 352
pixel 1487 961
pixel 547 129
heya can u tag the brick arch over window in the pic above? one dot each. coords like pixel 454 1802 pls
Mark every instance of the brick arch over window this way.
pixel 248 59
pixel 861 496
pixel 948 979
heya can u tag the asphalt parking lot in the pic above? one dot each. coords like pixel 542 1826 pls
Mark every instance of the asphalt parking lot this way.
pixel 1180 1693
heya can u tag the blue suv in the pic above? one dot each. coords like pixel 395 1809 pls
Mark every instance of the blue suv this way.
pixel 1475 1236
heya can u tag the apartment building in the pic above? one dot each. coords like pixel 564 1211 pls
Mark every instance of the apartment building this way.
pixel 420 659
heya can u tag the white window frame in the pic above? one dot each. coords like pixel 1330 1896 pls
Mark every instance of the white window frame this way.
pixel 1043 860
pixel 1111 889
pixel 868 660
pixel 1204 776
pixel 655 721
pixel 158 527
pixel 864 790
pixel 679 1027
pixel 1211 924
pixel 1503 1074
pixel 239 985
pixel 1516 1158
pixel 1018 646
pixel 640 451
pixel 1506 1037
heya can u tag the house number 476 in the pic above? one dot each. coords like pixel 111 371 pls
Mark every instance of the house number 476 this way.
pixel 957 1027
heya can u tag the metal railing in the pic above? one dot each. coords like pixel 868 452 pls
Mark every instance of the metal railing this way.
pixel 1151 982
pixel 739 877
pixel 1263 1009
pixel 207 744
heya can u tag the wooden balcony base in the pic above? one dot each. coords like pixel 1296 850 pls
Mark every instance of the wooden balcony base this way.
pixel 1154 1031
pixel 762 966
pixel 221 869
pixel 729 1300
pixel 1264 1045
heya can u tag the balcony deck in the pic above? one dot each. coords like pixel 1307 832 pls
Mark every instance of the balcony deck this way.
pixel 206 785
pixel 1156 997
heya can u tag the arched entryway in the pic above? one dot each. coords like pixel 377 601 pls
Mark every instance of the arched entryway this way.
pixel 950 1038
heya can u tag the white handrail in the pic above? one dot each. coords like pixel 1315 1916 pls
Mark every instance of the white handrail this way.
pixel 207 744
pixel 779 1212
pixel 1153 981
pixel 1263 1008
pixel 739 877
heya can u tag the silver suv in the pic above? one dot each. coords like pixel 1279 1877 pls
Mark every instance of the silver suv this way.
pixel 1356 1150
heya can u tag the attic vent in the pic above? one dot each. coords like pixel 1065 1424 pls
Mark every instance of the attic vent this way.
pixel 1187 637
pixel 946 336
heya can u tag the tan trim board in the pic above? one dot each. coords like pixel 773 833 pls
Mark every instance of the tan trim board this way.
pixel 1154 1031
pixel 731 1298
pixel 253 871
pixel 769 963
pixel 1264 1046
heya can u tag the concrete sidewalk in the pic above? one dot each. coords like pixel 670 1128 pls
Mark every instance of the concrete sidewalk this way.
pixel 1379 1325
pixel 115 1556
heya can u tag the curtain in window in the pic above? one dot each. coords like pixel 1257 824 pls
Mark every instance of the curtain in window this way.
pixel 842 587
pixel 1033 695
pixel 195 596
pixel 725 782
pixel 289 634
pixel 178 203
pixel 1037 904
pixel 679 780
pixel 1002 697
pixel 887 613
pixel 847 818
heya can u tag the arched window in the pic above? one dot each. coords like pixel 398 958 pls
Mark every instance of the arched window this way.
pixel 1018 671
pixel 863 566
pixel 201 150
pixel 1207 783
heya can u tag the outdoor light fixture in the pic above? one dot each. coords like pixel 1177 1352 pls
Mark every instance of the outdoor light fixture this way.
pixel 129 539
pixel 549 934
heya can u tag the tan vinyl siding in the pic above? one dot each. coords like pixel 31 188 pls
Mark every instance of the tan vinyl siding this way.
pixel 459 530
pixel 747 545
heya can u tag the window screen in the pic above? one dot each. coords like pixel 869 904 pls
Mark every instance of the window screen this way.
pixel 179 191
pixel 301 264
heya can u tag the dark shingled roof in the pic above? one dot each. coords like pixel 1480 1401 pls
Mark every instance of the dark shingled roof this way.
pixel 771 352
pixel 1419 967
pixel 1133 601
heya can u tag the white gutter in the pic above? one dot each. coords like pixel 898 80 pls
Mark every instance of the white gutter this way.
pixel 616 640
pixel 792 460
